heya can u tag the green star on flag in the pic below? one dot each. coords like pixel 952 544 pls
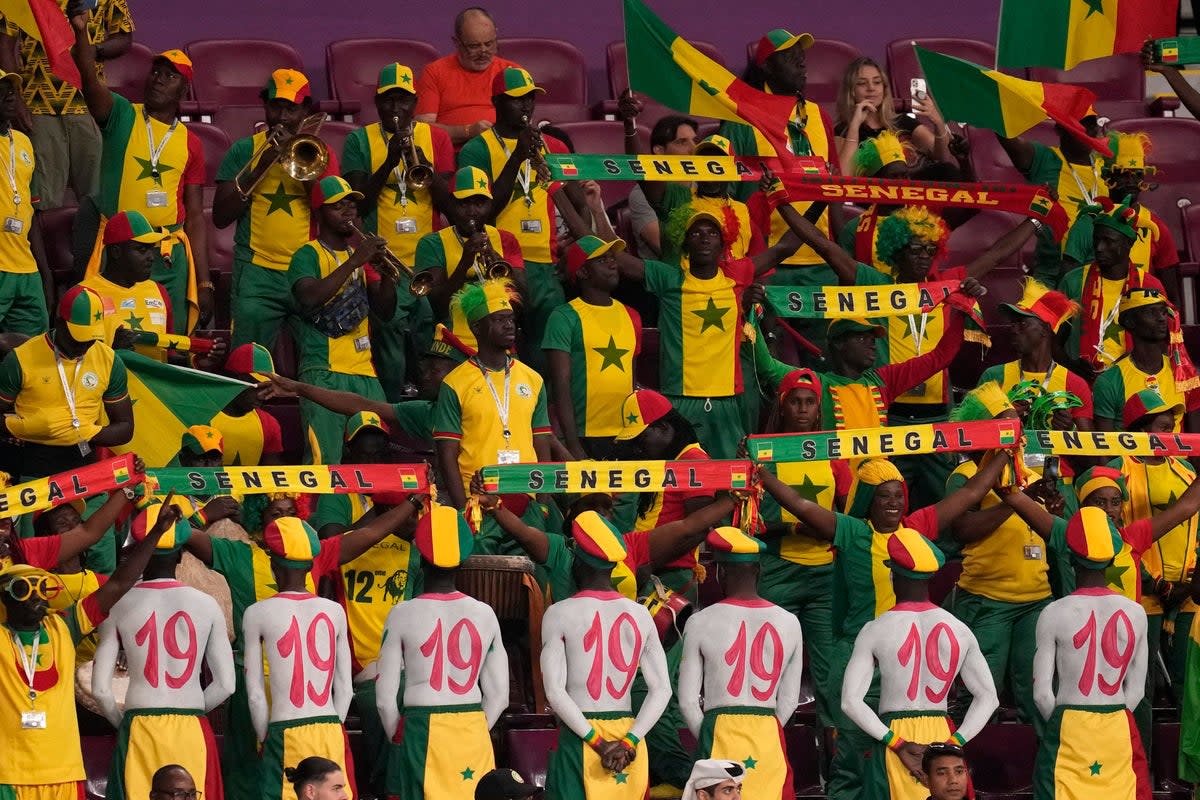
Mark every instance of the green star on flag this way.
pixel 135 323
pixel 1096 765
pixel 280 200
pixel 467 774
pixel 713 316
pixel 1112 575
pixel 1094 7
pixel 809 489
pixel 749 762
pixel 611 354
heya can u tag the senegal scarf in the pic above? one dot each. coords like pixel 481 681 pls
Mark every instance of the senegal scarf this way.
pixel 1093 311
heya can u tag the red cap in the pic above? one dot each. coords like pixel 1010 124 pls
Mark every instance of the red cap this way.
pixel 800 379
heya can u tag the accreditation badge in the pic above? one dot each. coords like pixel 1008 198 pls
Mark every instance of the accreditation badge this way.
pixel 33 720
pixel 406 225
pixel 14 225
pixel 508 456
pixel 156 198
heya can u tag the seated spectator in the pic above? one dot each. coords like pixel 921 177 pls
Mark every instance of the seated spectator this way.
pixel 672 135
pixel 712 779
pixel 316 778
pixel 173 782
pixel 61 421
pixel 866 108
pixel 946 772
pixel 456 90
pixel 504 784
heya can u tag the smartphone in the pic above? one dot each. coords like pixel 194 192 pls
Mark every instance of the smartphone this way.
pixel 917 89
pixel 1050 470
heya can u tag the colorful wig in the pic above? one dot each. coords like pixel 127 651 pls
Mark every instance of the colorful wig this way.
pixel 897 230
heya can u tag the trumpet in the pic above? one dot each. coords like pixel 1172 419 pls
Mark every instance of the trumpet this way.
pixel 303 156
pixel 538 161
pixel 419 283
pixel 416 174
pixel 488 263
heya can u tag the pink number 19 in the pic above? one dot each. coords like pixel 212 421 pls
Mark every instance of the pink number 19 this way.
pixel 289 646
pixel 147 636
pixel 593 639
pixel 1117 659
pixel 735 656
pixel 910 651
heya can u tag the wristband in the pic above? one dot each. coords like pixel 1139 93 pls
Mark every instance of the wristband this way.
pixel 893 742
pixel 630 741
pixel 958 739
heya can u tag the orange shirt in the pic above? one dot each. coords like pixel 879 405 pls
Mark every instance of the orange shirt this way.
pixel 458 96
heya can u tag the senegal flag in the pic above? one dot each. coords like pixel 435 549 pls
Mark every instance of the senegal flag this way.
pixel 1061 33
pixel 45 21
pixel 166 401
pixel 676 74
pixel 1189 717
pixel 985 98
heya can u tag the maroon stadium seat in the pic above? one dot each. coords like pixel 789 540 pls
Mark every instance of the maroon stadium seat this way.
pixel 97 758
pixel 1001 758
pixel 216 143
pixel 219 243
pixel 234 71
pixel 1118 81
pixel 352 67
pixel 826 62
pixel 1175 143
pixel 1164 759
pixel 557 66
pixel 1189 269
pixel 618 81
pixel 334 134
pixel 988 158
pixel 977 234
pixel 902 64
pixel 127 75
pixel 238 121
pixel 529 752
pixel 56 235
pixel 804 754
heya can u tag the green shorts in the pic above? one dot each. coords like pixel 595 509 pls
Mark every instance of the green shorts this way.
pixel 324 431
pixel 261 301
pixel 719 423
pixel 23 303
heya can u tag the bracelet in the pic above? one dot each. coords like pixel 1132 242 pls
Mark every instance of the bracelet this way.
pixel 958 739
pixel 630 741
pixel 205 285
pixel 1038 225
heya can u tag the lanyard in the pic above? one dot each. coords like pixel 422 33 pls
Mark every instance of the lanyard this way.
pixel 29 663
pixel 502 408
pixel 918 336
pixel 337 262
pixel 1088 197
pixel 68 388
pixel 798 142
pixel 156 150
pixel 1104 325
pixel 10 169
pixel 524 176
pixel 1045 382
pixel 398 171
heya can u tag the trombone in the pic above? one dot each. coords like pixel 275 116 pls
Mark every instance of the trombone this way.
pixel 488 263
pixel 416 174
pixel 538 161
pixel 419 283
pixel 303 156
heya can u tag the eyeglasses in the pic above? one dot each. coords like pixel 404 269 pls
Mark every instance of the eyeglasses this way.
pixel 44 586
pixel 921 248
pixel 477 47
pixel 179 794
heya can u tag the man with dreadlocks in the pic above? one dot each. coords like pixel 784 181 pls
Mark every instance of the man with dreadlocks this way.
pixel 1097 338
pixel 876 507
pixel 1125 175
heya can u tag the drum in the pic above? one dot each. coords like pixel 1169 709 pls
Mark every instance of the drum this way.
pixel 498 581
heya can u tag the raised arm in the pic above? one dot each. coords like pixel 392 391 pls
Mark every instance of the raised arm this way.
pixel 218 657
pixel 104 664
pixel 199 544
pixel 896 379
pixel 130 569
pixel 1043 664
pixel 1028 509
pixel 391 668
pixel 362 539
pixel 1020 152
pixel 534 541
pixel 978 679
pixel 1186 93
pixel 631 268
pixel 1178 512
pixel 673 540
pixel 841 262
pixel 73 542
pixel 95 93
pixel 774 255
pixel 691 680
pixel 1003 248
pixel 493 679
pixel 821 523
pixel 960 502
pixel 256 691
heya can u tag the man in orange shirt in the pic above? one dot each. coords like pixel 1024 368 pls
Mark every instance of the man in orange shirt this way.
pixel 456 90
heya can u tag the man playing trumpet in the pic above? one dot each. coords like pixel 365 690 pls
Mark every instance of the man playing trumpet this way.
pixel 270 208
pixel 335 288
pixel 400 166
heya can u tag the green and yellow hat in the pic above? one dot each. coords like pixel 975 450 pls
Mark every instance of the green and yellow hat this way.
pixel 877 152
pixel 250 359
pixel 396 76
pixel 1092 538
pixel 471 182
pixel 514 82
pixel 1140 297
pixel 1118 217
pixel 598 543
pixel 586 248
pixel 364 420
pixel 171 541
pixel 778 40
pixel 732 544
pixel 912 555
pixel 292 541
pixel 705 215
pixel 443 537
pixel 12 78
pixel 986 401
pixel 131 226
pixel 287 84
pixel 200 439
pixel 1129 151
pixel 82 310
pixel 714 145
pixel 331 189
pixel 478 300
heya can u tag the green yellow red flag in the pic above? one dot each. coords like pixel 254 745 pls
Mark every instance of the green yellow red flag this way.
pixel 1062 33
pixel 45 21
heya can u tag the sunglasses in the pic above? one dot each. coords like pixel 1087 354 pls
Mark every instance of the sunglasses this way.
pixel 22 588
pixel 919 249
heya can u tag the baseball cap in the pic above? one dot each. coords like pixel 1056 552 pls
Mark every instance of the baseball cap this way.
pixel 250 359
pixel 714 144
pixel 848 326
pixel 471 181
pixel 396 76
pixel 588 247
pixel 200 439
pixel 503 784
pixel 801 378
pixel 364 420
pixel 705 215
pixel 331 189
pixel 779 40
pixel 131 226
pixel 514 82
pixel 639 411
pixel 286 84
pixel 83 312
pixel 179 60
pixel 12 77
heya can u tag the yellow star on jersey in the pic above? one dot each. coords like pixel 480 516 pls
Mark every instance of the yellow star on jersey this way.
pixel 611 354
pixel 280 200
pixel 713 316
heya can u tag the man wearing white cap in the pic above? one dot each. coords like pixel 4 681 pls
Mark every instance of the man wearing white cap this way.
pixel 714 779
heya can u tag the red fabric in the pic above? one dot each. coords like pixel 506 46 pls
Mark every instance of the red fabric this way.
pixel 166 298
pixel 1163 252
pixel 899 378
pixel 57 40
pixel 1140 537
pixel 673 503
pixel 328 561
pixel 455 95
pixel 842 478
pixel 759 209
pixel 1066 105
pixel 511 249
pixel 1079 387
pixel 1139 20
pixel 1141 770
pixel 636 319
pixel 637 549
pixel 1092 308
pixel 91 609
pixel 194 173
pixel 38 551
pixel 213 789
pixel 272 436
pixel 443 149
pixel 924 522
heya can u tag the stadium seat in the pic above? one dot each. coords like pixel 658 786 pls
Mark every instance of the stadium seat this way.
pixel 602 136
pixel 826 62
pixel 558 67
pixel 1175 143
pixel 216 143
pixel 127 75
pixel 529 752
pixel 334 134
pixel 618 82
pixel 976 235
pixel 902 64
pixel 97 758
pixel 804 754
pixel 234 71
pixel 1002 758
pixel 352 68
pixel 988 159
pixel 219 244
pixel 56 236
pixel 1190 253
pixel 238 121
pixel 1164 759
pixel 1118 81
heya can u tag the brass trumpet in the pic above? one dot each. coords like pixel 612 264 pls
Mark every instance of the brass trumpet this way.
pixel 303 156
pixel 419 283
pixel 416 174
pixel 538 161
pixel 489 264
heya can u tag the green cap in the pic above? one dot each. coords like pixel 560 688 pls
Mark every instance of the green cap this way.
pixel 514 82
pixel 846 327
pixel 396 76
pixel 471 182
